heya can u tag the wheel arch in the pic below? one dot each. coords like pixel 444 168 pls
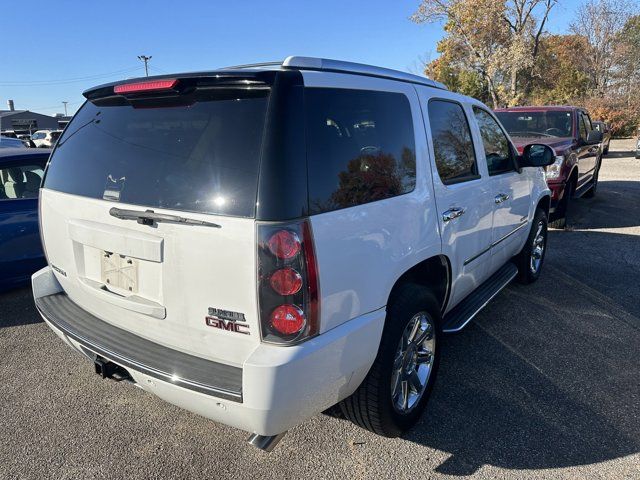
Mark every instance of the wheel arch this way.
pixel 433 273
pixel 573 175
pixel 544 202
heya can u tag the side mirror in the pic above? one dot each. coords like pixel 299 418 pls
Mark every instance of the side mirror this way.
pixel 536 155
pixel 594 137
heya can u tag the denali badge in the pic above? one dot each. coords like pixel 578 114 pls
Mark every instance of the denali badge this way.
pixel 227 314
pixel 227 320
pixel 59 270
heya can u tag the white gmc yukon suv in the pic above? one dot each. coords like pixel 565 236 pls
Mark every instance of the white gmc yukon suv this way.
pixel 259 243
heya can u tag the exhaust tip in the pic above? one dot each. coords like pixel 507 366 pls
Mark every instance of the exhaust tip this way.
pixel 265 443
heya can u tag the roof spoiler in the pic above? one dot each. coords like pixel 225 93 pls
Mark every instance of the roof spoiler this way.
pixel 178 84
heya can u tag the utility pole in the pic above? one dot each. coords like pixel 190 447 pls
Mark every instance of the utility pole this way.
pixel 145 59
pixel 65 108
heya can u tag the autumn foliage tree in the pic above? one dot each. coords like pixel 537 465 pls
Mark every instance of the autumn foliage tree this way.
pixel 498 51
pixel 561 73
pixel 490 44
pixel 368 177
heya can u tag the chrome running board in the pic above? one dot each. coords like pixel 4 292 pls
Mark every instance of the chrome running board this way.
pixel 463 313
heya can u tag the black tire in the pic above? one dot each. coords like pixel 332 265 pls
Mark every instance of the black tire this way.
pixel 559 217
pixel 371 405
pixel 334 411
pixel 594 186
pixel 523 260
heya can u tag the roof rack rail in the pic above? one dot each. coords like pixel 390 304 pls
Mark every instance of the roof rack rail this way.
pixel 339 66
pixel 326 64
pixel 252 65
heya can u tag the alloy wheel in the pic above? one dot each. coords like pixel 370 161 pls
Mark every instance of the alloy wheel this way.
pixel 413 363
pixel 537 252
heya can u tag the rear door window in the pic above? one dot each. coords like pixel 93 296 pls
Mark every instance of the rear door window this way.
pixel 360 147
pixel 587 123
pixel 583 128
pixel 452 144
pixel 202 157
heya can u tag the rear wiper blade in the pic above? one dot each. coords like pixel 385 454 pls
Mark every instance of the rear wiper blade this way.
pixel 149 216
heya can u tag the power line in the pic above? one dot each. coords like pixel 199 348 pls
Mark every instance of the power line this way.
pixel 52 107
pixel 66 80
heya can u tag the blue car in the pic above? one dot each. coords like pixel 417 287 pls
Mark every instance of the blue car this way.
pixel 8 142
pixel 21 171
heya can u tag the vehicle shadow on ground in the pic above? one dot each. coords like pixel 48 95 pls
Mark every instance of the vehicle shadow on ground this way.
pixel 619 154
pixel 616 204
pixel 547 375
pixel 496 407
pixel 17 308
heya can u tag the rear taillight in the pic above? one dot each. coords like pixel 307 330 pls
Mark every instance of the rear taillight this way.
pixel 284 244
pixel 287 319
pixel 288 288
pixel 286 281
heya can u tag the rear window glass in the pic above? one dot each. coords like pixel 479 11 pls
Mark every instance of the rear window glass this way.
pixel 360 147
pixel 203 157
pixel 20 181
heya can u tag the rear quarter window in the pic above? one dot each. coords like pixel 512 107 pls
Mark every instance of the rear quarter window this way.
pixel 360 147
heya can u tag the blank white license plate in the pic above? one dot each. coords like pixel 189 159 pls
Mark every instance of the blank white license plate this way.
pixel 120 272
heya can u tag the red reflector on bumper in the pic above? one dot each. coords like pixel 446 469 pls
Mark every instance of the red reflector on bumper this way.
pixel 145 86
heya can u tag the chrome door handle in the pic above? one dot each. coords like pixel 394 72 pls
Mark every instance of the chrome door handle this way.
pixel 452 213
pixel 501 197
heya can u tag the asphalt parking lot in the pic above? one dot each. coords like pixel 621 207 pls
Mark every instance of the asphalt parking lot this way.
pixel 545 383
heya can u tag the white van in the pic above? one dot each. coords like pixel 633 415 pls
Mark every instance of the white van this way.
pixel 260 243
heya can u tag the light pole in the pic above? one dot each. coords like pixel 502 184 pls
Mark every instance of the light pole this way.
pixel 145 59
pixel 65 108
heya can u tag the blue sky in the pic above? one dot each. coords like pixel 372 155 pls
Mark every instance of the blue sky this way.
pixel 54 50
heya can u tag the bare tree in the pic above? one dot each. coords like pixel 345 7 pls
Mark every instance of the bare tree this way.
pixel 526 32
pixel 599 21
pixel 626 74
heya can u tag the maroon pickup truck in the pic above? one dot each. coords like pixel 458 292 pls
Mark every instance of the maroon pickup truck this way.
pixel 570 133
